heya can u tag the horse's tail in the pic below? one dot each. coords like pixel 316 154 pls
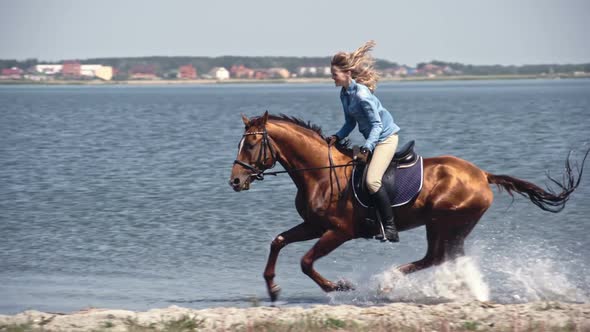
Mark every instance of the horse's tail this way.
pixel 547 200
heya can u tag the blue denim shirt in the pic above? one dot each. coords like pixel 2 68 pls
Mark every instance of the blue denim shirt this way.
pixel 362 107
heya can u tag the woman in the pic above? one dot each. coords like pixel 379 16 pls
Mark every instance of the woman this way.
pixel 354 72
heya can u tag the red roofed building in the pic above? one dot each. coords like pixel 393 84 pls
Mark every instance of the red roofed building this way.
pixel 241 72
pixel 261 74
pixel 187 72
pixel 71 69
pixel 12 73
pixel 143 72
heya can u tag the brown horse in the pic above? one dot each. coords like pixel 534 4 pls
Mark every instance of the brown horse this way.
pixel 454 196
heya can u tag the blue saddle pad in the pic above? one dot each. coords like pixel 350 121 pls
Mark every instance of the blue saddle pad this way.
pixel 407 184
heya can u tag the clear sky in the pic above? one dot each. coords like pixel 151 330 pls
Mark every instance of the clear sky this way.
pixel 468 31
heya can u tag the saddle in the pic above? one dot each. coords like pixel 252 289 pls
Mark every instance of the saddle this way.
pixel 405 155
pixel 402 185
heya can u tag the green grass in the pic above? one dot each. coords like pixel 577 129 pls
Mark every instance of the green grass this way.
pixel 19 327
pixel 184 324
pixel 470 325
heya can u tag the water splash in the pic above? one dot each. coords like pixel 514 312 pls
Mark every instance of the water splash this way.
pixel 459 280
pixel 537 273
pixel 542 280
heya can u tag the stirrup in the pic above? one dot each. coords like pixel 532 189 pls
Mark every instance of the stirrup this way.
pixel 381 236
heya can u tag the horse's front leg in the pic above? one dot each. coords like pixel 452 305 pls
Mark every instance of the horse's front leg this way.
pixel 301 232
pixel 329 241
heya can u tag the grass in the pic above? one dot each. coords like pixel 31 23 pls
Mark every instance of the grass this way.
pixel 307 323
pixel 26 327
pixel 184 324
pixel 470 325
pixel 108 325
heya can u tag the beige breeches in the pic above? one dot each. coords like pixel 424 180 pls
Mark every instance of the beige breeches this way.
pixel 382 156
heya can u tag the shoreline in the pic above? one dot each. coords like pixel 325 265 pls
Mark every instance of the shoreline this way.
pixel 467 316
pixel 285 81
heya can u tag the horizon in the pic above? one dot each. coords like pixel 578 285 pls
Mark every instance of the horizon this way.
pixel 479 33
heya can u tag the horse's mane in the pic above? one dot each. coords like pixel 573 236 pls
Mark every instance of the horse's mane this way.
pixel 343 146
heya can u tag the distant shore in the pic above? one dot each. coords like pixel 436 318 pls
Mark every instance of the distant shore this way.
pixel 282 81
pixel 469 316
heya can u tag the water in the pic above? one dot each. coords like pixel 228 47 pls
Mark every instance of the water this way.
pixel 118 197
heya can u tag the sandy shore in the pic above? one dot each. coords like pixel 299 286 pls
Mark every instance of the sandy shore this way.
pixel 473 316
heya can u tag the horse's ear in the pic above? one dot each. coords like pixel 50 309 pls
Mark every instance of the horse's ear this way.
pixel 246 120
pixel 265 118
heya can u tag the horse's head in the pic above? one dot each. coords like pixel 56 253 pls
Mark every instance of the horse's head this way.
pixel 255 154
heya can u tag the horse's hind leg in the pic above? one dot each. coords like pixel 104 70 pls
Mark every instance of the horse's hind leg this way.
pixel 432 236
pixel 454 244
pixel 444 243
pixel 301 232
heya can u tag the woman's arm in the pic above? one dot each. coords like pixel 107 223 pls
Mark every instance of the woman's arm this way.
pixel 348 126
pixel 376 124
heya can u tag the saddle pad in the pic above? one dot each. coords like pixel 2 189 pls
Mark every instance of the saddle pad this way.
pixel 407 184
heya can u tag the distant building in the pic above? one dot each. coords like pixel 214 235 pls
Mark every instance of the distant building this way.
pixel 430 70
pixel 13 73
pixel 448 70
pixel 71 69
pixel 143 72
pixel 397 71
pixel 48 69
pixel 187 72
pixel 278 73
pixel 219 73
pixel 89 70
pixel 261 74
pixel 314 71
pixel 105 73
pixel 143 76
pixel 241 72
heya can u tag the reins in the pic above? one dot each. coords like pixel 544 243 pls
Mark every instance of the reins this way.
pixel 262 157
pixel 351 163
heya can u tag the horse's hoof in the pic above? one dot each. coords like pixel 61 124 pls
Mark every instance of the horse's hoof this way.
pixel 344 286
pixel 274 293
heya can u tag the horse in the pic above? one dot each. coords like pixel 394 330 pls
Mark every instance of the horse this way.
pixel 454 196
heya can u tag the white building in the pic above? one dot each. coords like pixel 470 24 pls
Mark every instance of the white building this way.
pixel 314 71
pixel 104 73
pixel 219 73
pixel 89 70
pixel 48 69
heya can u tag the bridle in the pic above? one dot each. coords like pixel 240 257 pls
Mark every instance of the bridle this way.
pixel 257 169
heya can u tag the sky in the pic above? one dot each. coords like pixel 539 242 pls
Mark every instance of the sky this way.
pixel 480 32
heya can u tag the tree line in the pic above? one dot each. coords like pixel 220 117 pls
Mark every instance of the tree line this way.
pixel 164 65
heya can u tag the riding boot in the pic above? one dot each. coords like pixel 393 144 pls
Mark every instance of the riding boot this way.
pixel 381 199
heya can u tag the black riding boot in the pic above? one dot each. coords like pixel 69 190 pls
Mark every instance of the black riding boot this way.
pixel 381 199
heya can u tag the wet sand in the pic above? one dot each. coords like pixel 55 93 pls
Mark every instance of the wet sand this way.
pixel 472 316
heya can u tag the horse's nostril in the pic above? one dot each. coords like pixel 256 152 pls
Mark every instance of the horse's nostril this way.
pixel 236 181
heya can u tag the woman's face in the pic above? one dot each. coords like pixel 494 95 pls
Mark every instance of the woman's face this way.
pixel 341 78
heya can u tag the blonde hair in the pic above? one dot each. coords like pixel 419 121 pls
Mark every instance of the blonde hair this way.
pixel 360 63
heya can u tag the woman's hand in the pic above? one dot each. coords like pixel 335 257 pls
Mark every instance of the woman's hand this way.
pixel 363 155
